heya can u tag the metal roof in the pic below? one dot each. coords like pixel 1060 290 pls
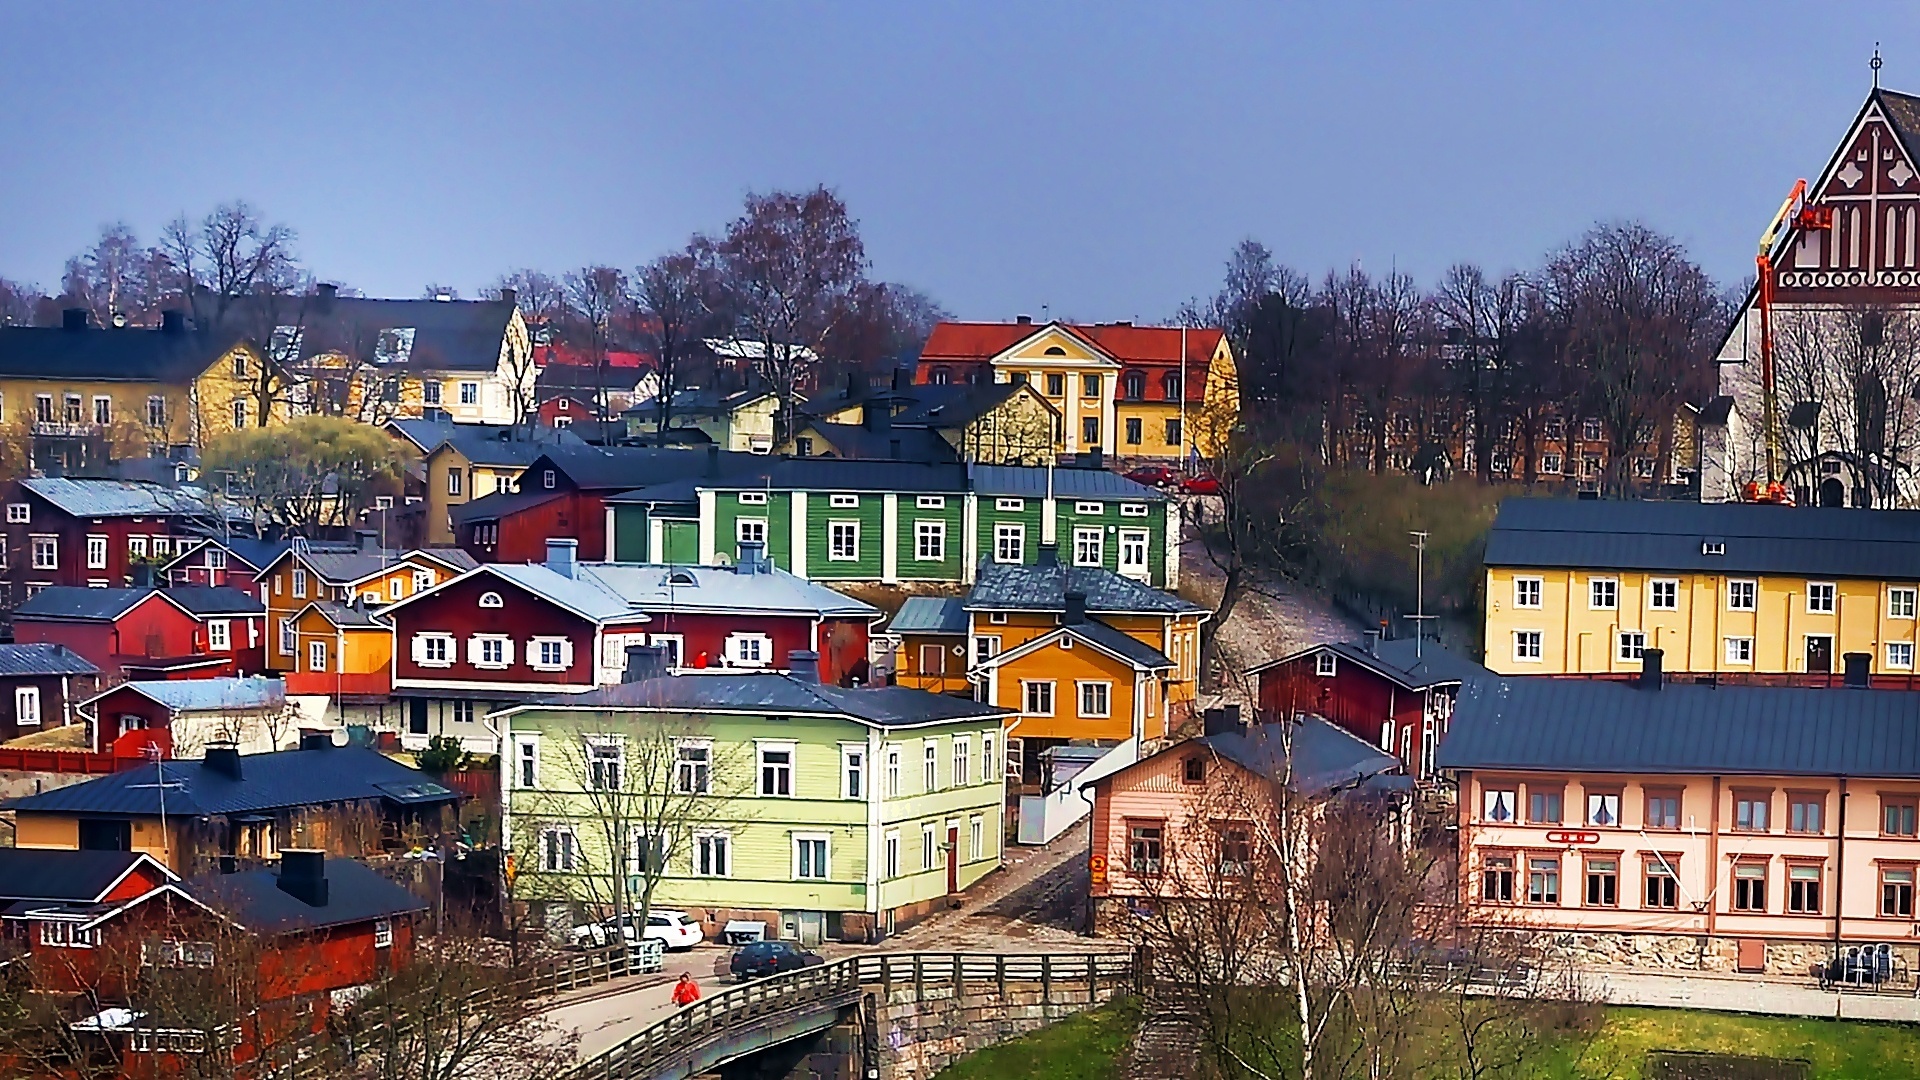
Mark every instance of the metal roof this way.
pixel 217 600
pixel 79 602
pixel 344 615
pixel 1395 660
pixel 29 660
pixel 578 594
pixel 123 498
pixel 1611 726
pixel 612 591
pixel 274 781
pixel 908 444
pixel 1037 587
pixel 1310 755
pixel 101 355
pixel 498 504
pixel 1120 643
pixel 505 446
pixel 1031 482
pixel 1675 536
pixel 446 335
pixel 78 877
pixel 355 893
pixel 930 615
pixel 776 694
pixel 206 695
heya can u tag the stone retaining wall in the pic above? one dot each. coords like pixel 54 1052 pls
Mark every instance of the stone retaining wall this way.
pixel 1690 952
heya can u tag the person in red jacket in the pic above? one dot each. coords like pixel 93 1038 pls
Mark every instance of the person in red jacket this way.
pixel 686 991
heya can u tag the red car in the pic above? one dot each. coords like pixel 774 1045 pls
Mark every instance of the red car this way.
pixel 1153 475
pixel 1200 484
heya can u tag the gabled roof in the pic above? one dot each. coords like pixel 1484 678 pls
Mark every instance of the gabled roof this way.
pixel 505 446
pixel 1118 644
pixel 1597 725
pixel 626 592
pixel 287 778
pixel 427 435
pixel 499 504
pixel 202 601
pixel 882 443
pixel 775 694
pixel 1038 587
pixel 1596 534
pixel 1313 756
pixel 579 594
pixel 204 695
pixel 1031 482
pixel 253 553
pixel 345 616
pixel 79 602
pixel 697 402
pixel 69 877
pixel 1395 661
pixel 447 335
pixel 355 893
pixel 97 355
pixel 30 660
pixel 930 615
pixel 452 558
pixel 957 405
pixel 122 498
pixel 626 467
pixel 1122 342
pixel 836 474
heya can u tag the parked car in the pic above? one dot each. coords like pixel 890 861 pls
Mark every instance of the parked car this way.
pixel 1200 484
pixel 772 958
pixel 1153 475
pixel 672 929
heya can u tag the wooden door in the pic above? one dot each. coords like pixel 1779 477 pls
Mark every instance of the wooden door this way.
pixel 953 858
pixel 933 659
pixel 1819 654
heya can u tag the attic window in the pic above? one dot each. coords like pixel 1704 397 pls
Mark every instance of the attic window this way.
pixel 1194 770
pixel 491 600
pixel 546 478
pixel 843 502
pixel 1009 504
pixel 753 498
pixel 682 577
pixel 1054 350
pixel 1325 664
pixel 1133 509
pixel 1089 508
pixel 930 502
pixel 1713 547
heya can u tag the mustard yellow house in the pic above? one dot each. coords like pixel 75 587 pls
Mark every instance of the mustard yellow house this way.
pixel 79 395
pixel 369 575
pixel 344 653
pixel 1129 391
pixel 1730 589
pixel 474 461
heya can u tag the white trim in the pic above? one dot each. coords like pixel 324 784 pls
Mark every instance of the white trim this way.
pixel 825 840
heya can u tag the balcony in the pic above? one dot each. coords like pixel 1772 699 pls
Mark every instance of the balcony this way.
pixel 64 429
pixel 345 684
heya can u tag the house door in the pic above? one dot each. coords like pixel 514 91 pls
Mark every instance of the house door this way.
pixel 1820 654
pixel 1133 552
pixel 933 659
pixel 953 859
pixel 812 927
pixel 417 716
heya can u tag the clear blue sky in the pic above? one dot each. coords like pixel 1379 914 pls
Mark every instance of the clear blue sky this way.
pixel 1099 159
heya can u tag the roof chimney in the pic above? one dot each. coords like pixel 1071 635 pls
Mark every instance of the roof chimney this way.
pixel 753 558
pixel 562 555
pixel 1076 609
pixel 1049 555
pixel 173 321
pixel 224 758
pixel 303 875
pixel 1373 642
pixel 1859 669
pixel 1223 721
pixel 901 380
pixel 1650 677
pixel 369 541
pixel 644 662
pixel 316 740
pixel 1023 320
pixel 509 296
pixel 323 296
pixel 803 665
pixel 73 318
pixel 713 460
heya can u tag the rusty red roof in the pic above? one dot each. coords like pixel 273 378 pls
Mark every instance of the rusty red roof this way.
pixel 1124 342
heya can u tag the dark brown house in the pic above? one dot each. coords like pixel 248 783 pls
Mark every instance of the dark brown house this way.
pixel 39 687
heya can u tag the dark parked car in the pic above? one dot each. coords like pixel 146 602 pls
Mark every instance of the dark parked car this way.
pixel 1153 475
pixel 772 958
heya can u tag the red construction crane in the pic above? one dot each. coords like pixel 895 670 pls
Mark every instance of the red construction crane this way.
pixel 1805 216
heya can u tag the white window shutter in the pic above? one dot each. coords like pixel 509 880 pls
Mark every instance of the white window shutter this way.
pixel 473 649
pixel 419 648
pixel 566 653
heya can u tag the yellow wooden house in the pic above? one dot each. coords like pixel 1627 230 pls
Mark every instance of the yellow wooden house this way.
pixel 1731 590
pixel 344 652
pixel 474 461
pixel 367 574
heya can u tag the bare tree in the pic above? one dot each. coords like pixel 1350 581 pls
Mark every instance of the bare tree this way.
pixel 229 254
pixel 1847 381
pixel 117 279
pixel 1481 321
pixel 672 294
pixel 542 301
pixel 596 296
pixel 19 301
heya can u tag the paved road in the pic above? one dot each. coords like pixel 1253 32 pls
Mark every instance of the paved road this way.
pixel 604 1015
pixel 1737 993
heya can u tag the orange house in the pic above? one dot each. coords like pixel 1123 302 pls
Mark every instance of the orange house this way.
pixel 370 574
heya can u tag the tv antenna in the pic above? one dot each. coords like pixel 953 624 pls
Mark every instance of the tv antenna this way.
pixel 152 751
pixel 1419 618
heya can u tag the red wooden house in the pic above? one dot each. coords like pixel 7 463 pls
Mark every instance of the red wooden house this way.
pixel 191 632
pixel 1385 692
pixel 235 561
pixel 195 713
pixel 61 531
pixel 504 633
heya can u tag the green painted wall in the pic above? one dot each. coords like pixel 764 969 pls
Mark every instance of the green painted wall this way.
pixel 990 515
pixel 630 531
pixel 681 541
pixel 821 514
pixel 778 513
pixel 1110 522
pixel 953 515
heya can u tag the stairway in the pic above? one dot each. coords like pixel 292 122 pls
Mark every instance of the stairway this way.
pixel 1167 1046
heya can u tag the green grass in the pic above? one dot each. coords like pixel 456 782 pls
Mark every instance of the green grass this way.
pixel 1838 1050
pixel 1082 1047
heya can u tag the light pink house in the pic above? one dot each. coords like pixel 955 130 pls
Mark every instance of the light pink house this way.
pixel 1691 826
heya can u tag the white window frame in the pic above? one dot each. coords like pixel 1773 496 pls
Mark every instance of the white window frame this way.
pixel 693 775
pixel 930 765
pixel 853 771
pixel 893 770
pixel 1009 532
pixel 929 844
pixel 422 580
pixel 1101 688
pixel 477 650
pixel 1654 588
pixel 220 635
pixel 929 541
pixel 1132 542
pixel 891 855
pixel 825 868
pixel 961 770
pixel 1089 508
pixel 526 762
pixel 19 513
pixel 930 502
pixel 1027 687
pixel 843 502
pixel 1902 601
pixel 987 776
pixel 1735 590
pixel 712 854
pixel 453 481
pixel 761 747
pixel 383 933
pixel 97 551
pixel 751 498
pixel 559 858
pixel 1900 655
pixel 743 526
pixel 598 777
pixel 1522 639
pixel 1596 586
pixel 26 706
pixel 537 650
pixel 1133 509
pixel 735 652
pixel 48 546
pixel 289 638
pixel 835 551
pixel 421 650
pixel 1738 651
pixel 317 655
pixel 976 837
pixel 1826 589
pixel 1089 546
pixel 1010 505
pixel 1629 645
pixel 469 393
pixel 300 582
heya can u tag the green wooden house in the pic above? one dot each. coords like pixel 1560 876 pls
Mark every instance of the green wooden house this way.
pixel 831 520
pixel 818 811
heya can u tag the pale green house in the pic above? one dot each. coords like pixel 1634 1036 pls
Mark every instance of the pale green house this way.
pixel 820 811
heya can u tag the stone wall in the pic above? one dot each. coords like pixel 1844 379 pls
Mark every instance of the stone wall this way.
pixel 1690 952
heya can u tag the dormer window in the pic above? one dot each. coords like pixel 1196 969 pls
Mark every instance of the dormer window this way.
pixel 1713 546
pixel 547 478
pixel 491 600
pixel 1326 664
pixel 682 577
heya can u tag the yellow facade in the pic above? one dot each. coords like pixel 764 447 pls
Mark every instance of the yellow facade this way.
pixel 1747 624
pixel 936 663
pixel 370 394
pixel 1077 381
pixel 1201 427
pixel 1134 700
pixel 348 650
pixel 290 584
pixel 446 491
pixel 62 832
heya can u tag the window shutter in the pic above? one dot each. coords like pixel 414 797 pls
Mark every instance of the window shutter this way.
pixel 473 649
pixel 419 648
pixel 566 653
pixel 506 652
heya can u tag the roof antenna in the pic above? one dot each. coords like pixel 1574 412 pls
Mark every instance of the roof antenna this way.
pixel 1419 618
pixel 1875 65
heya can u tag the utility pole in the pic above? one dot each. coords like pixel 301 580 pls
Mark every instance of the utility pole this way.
pixel 1419 617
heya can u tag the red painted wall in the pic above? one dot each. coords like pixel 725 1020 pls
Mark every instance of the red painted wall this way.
pixel 154 627
pixel 524 533
pixel 1358 700
pixel 707 634
pixel 73 533
pixel 456 610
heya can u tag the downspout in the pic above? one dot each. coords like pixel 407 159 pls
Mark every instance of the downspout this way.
pixel 1713 858
pixel 1839 865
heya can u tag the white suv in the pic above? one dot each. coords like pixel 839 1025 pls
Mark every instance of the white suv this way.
pixel 672 929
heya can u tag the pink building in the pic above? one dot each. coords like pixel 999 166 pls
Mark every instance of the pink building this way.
pixel 1762 829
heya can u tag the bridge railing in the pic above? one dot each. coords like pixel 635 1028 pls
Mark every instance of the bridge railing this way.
pixel 650 1052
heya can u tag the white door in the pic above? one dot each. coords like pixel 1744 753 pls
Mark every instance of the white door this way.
pixel 1133 552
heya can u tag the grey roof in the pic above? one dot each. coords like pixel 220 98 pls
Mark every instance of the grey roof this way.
pixel 489 447
pixel 775 694
pixel 207 695
pixel 74 877
pixel 454 557
pixel 120 498
pixel 1312 755
pixel 29 660
pixel 1395 660
pixel 610 591
pixel 952 406
pixel 930 615
pixel 626 467
pixel 1120 643
pixel 254 552
pixel 1031 482
pixel 355 893
pixel 448 335
pixel 840 474
pixel 698 402
pixel 499 504
pixel 274 781
pixel 1034 587
pixel 99 355
pixel 1612 726
pixel 343 567
pixel 427 435
pixel 79 602
pixel 1759 538
pixel 340 614
pixel 579 594
pixel 220 600
pixel 859 442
